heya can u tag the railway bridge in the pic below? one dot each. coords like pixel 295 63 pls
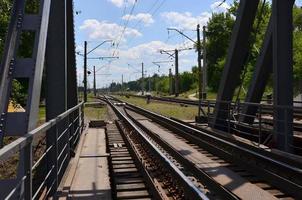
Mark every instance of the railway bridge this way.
pixel 235 150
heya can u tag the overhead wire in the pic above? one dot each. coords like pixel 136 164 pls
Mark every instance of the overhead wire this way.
pixel 124 28
pixel 152 15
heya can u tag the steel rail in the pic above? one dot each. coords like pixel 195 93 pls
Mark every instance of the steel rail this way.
pixel 206 180
pixel 189 187
pixel 237 153
pixel 267 107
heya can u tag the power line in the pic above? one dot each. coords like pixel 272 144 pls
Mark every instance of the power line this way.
pixel 124 28
pixel 152 15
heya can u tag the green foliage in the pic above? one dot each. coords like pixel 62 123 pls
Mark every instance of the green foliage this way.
pixel 5 6
pixel 297 44
pixel 218 34
pixel 19 92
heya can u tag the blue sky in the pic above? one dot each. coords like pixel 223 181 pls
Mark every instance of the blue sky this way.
pixel 145 34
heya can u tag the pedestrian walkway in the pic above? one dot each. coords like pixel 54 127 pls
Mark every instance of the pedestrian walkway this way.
pixel 88 176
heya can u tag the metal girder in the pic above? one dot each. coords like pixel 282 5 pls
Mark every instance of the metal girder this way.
pixel 72 96
pixel 237 54
pixel 176 74
pixel 11 68
pixel 263 69
pixel 56 82
pixel 283 73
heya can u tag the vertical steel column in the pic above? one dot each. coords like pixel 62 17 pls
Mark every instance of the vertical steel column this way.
pixel 176 74
pixel 30 68
pixel 56 60
pixel 283 72
pixel 237 53
pixel 72 94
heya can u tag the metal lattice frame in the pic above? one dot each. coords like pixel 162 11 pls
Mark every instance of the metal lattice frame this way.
pixel 276 56
pixel 14 67
pixel 53 26
pixel 237 53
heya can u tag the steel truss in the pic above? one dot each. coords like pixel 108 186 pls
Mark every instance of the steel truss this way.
pixel 53 30
pixel 276 56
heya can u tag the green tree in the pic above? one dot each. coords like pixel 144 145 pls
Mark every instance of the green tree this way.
pixel 219 32
pixel 219 29
pixel 5 6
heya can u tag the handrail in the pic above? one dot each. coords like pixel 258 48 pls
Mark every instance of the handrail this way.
pixel 20 143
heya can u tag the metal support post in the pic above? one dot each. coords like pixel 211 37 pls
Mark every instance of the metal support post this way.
pixel 94 82
pixel 170 82
pixel 56 82
pixel 28 187
pixel 283 72
pixel 85 71
pixel 176 74
pixel 142 79
pixel 199 70
pixel 204 71
pixel 122 87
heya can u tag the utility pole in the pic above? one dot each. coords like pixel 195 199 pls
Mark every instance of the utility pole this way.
pixel 94 82
pixel 85 71
pixel 122 83
pixel 176 74
pixel 149 83
pixel 199 68
pixel 200 77
pixel 205 69
pixel 142 78
pixel 170 82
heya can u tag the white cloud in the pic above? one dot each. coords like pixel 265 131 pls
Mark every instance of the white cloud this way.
pixel 219 6
pixel 145 50
pixel 120 3
pixel 185 20
pixel 146 18
pixel 105 30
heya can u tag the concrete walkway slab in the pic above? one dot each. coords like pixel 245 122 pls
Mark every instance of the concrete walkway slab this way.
pixel 90 178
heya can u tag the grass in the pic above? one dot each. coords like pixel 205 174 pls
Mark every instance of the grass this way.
pixel 42 115
pixel 167 109
pixel 95 113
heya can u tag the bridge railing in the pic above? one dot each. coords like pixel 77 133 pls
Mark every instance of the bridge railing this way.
pixel 254 121
pixel 66 129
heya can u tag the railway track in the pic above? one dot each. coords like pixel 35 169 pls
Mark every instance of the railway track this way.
pixel 255 132
pixel 139 170
pixel 265 110
pixel 225 168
